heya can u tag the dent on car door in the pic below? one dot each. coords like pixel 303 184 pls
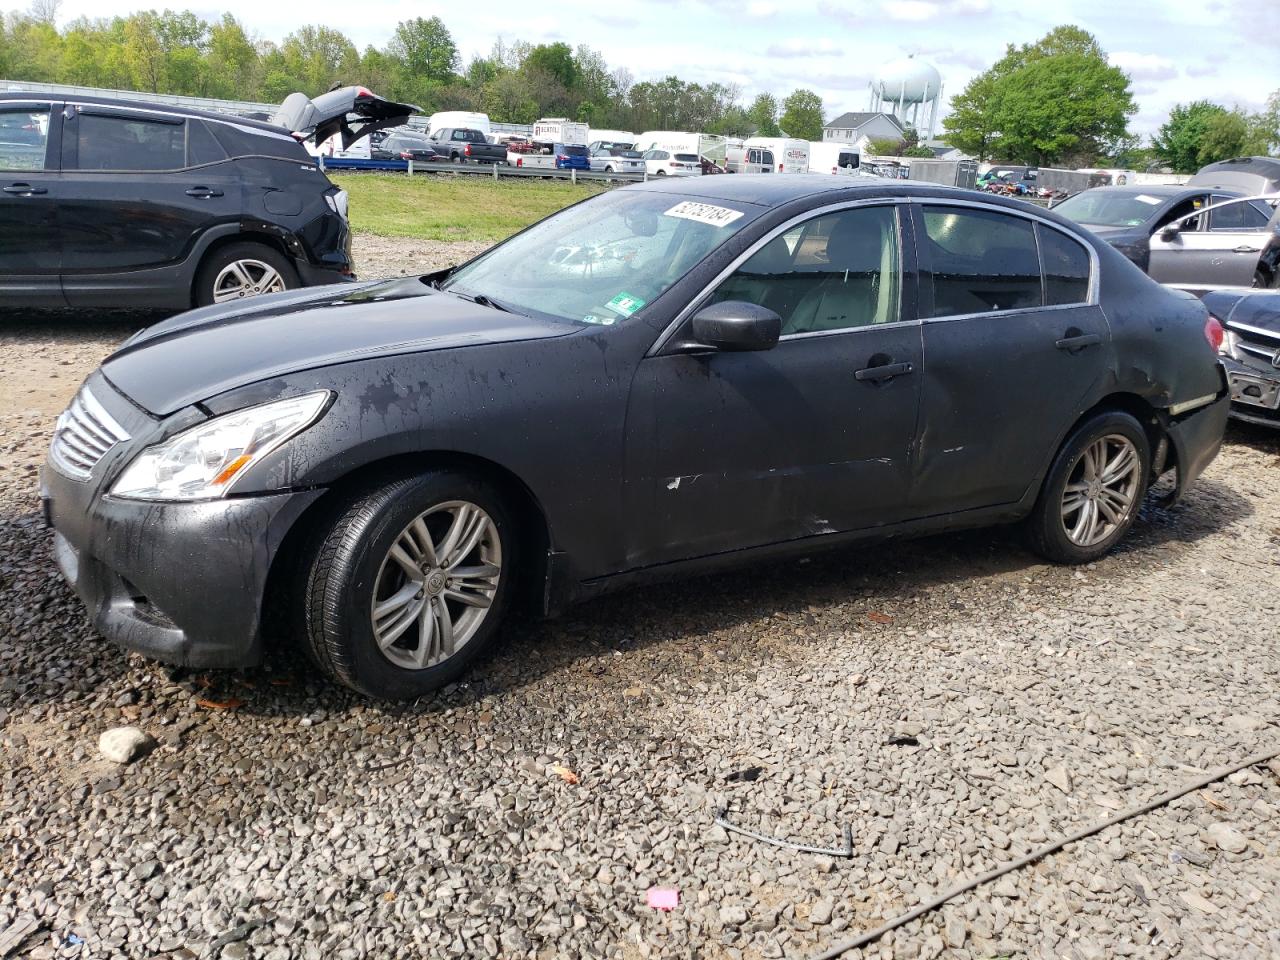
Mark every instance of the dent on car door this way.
pixel 142 187
pixel 30 194
pixel 1217 247
pixel 813 436
pixel 1015 341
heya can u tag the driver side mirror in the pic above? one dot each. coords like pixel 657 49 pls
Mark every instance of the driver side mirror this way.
pixel 1169 232
pixel 736 326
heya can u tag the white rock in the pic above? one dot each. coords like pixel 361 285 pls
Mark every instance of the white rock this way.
pixel 733 915
pixel 1228 838
pixel 820 912
pixel 124 744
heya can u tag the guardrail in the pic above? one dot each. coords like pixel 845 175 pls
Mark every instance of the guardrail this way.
pixel 495 170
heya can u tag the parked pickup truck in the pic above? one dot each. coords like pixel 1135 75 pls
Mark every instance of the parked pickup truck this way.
pixel 462 146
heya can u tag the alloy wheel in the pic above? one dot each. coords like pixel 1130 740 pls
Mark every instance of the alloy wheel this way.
pixel 436 584
pixel 246 278
pixel 1102 490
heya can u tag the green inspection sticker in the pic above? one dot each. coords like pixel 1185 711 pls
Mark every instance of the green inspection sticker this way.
pixel 625 304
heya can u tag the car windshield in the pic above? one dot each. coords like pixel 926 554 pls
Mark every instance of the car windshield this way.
pixel 602 260
pixel 1110 209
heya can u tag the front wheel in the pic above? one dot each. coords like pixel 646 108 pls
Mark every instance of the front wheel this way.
pixel 409 584
pixel 1093 491
pixel 662 173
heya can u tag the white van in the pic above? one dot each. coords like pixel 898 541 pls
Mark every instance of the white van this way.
pixel 748 160
pixel 790 156
pixel 460 118
pixel 707 145
pixel 827 156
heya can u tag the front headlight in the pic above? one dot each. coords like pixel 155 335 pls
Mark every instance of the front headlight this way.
pixel 204 462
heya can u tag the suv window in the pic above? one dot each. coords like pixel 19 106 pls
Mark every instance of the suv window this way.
pixel 23 135
pixel 980 261
pixel 128 143
pixel 1066 267
pixel 834 272
pixel 1246 215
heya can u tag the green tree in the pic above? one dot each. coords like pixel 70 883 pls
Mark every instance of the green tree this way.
pixel 426 49
pixel 763 114
pixel 802 115
pixel 1056 100
pixel 554 60
pixel 1181 137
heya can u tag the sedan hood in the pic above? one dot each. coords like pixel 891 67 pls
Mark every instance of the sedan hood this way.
pixel 199 355
pixel 1260 311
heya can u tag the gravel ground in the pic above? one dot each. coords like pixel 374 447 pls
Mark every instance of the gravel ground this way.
pixel 953 700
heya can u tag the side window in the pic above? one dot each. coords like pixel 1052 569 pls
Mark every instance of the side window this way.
pixel 980 261
pixel 1066 267
pixel 1242 216
pixel 23 136
pixel 1190 205
pixel 125 143
pixel 834 272
pixel 201 146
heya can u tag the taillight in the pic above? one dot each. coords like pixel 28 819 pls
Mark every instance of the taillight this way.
pixel 562 156
pixel 467 149
pixel 1214 333
pixel 406 155
pixel 519 161
pixel 780 166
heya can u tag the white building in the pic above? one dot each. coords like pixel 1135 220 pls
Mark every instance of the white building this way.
pixel 859 129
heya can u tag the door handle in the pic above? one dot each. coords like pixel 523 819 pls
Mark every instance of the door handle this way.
pixel 204 192
pixel 24 189
pixel 1247 250
pixel 1075 341
pixel 883 372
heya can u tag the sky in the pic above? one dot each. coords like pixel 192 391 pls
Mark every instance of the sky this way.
pixel 1175 51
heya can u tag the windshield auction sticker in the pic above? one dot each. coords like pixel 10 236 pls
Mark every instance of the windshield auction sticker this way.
pixel 1147 199
pixel 625 304
pixel 704 213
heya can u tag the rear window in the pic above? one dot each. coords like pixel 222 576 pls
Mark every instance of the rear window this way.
pixel 23 134
pixel 469 136
pixel 1066 268
pixel 687 157
pixel 1249 215
pixel 574 151
pixel 128 143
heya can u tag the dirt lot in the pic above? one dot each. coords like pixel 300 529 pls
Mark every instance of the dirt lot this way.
pixel 952 699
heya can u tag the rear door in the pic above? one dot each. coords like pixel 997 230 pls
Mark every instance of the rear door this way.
pixel 30 246
pixel 141 186
pixel 1012 350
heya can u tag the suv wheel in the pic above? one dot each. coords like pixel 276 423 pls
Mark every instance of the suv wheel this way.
pixel 409 584
pixel 1094 490
pixel 242 270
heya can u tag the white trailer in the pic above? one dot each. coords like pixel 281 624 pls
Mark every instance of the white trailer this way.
pixel 790 156
pixel 828 156
pixel 560 130
pixel 707 145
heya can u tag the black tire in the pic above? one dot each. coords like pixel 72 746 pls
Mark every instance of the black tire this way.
pixel 1046 528
pixel 662 173
pixel 608 169
pixel 340 573
pixel 247 251
pixel 455 157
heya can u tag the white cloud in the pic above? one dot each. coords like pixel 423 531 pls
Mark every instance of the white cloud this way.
pixel 797 47
pixel 1144 66
pixel 761 9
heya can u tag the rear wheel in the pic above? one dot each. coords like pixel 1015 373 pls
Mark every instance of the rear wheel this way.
pixel 1093 491
pixel 662 173
pixel 409 584
pixel 241 270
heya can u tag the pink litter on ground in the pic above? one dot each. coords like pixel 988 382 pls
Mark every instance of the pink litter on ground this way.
pixel 663 898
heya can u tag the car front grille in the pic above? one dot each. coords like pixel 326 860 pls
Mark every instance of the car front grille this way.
pixel 84 434
pixel 1258 348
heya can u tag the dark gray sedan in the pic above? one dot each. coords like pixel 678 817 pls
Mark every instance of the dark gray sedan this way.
pixel 658 381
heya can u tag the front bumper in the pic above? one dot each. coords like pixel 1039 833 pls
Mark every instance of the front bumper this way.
pixel 1252 389
pixel 180 582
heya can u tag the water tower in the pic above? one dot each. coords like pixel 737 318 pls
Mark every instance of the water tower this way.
pixel 909 89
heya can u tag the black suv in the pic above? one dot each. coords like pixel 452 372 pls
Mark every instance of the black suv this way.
pixel 118 203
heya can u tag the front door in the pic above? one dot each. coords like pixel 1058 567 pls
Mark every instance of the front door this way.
pixel 1216 248
pixel 811 437
pixel 141 187
pixel 1011 350
pixel 30 247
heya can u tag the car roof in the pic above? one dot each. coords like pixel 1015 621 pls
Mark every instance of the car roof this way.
pixel 33 97
pixel 773 190
pixel 1151 190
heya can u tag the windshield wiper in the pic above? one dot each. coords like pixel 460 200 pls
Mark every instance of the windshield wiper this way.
pixel 481 300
